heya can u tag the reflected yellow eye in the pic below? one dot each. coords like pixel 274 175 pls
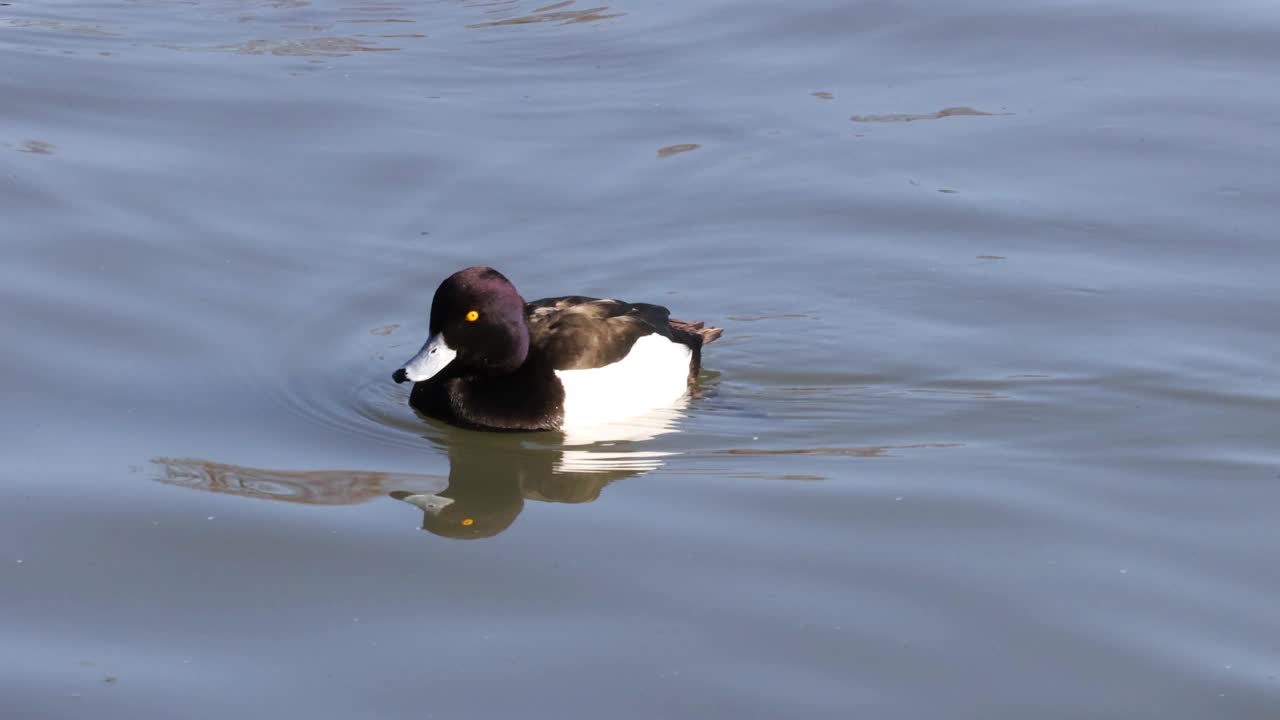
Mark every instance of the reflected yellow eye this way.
pixel 468 522
pixel 473 316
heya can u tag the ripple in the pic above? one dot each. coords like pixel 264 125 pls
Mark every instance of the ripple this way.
pixel 35 147
pixel 669 150
pixel 305 47
pixel 862 452
pixel 554 14
pixel 906 117
pixel 56 25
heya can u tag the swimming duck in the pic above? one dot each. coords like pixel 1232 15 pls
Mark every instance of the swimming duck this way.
pixel 494 362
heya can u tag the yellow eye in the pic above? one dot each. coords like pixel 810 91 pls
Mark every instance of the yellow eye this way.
pixel 473 316
pixel 468 522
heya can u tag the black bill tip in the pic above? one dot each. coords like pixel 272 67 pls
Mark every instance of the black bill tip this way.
pixel 400 376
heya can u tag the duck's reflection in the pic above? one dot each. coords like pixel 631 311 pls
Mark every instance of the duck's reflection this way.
pixel 490 475
pixel 489 482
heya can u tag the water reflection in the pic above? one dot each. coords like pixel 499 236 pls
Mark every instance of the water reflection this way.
pixel 490 475
pixel 319 487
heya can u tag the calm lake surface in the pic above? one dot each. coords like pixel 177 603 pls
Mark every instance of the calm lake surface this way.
pixel 993 430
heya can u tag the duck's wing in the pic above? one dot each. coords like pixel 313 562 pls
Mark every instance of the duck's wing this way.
pixel 578 333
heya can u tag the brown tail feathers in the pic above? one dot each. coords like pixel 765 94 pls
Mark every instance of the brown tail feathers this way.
pixel 708 334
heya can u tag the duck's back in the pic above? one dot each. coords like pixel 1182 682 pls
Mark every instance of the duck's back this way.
pixel 579 333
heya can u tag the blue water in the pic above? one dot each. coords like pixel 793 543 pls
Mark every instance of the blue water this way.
pixel 991 432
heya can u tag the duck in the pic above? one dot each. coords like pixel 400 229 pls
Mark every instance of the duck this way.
pixel 495 362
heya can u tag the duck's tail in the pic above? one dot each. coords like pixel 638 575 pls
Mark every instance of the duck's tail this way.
pixel 698 334
pixel 708 334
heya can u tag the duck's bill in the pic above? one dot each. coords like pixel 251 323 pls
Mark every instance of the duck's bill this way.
pixel 431 359
pixel 430 504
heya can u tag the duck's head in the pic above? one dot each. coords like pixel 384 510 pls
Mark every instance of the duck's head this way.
pixel 468 516
pixel 477 328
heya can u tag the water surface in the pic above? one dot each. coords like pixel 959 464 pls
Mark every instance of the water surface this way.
pixel 991 432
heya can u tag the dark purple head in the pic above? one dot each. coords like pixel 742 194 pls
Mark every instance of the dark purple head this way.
pixel 477 327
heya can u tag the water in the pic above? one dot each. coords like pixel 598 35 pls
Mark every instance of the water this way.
pixel 991 431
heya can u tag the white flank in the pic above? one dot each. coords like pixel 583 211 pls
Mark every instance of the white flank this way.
pixel 653 375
